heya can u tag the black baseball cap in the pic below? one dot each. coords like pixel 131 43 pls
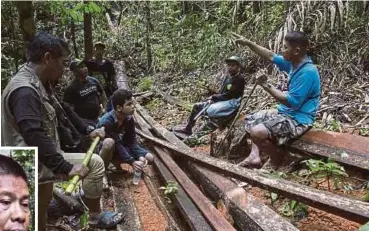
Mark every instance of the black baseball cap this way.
pixel 76 63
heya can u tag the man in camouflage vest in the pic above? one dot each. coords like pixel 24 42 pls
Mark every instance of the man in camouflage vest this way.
pixel 29 119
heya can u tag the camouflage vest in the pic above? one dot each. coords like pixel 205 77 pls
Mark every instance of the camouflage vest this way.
pixel 10 133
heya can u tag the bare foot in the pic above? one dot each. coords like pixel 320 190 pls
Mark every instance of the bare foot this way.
pixel 250 162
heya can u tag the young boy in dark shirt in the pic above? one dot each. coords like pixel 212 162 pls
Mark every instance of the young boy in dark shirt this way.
pixel 119 125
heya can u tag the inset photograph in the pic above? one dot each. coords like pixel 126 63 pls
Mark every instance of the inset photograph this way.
pixel 17 188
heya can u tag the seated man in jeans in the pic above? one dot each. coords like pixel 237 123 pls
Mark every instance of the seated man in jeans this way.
pixel 224 103
pixel 120 126
pixel 28 118
pixel 297 107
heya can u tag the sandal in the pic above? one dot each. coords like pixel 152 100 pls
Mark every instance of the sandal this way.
pixel 107 220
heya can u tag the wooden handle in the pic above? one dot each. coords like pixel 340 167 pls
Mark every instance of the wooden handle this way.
pixel 73 182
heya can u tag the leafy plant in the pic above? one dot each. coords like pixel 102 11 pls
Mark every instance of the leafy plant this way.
pixel 366 198
pixel 145 84
pixel 170 189
pixel 334 125
pixel 83 220
pixel 294 208
pixel 329 170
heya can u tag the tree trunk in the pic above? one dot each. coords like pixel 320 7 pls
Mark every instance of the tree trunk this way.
pixel 121 13
pixel 149 28
pixel 73 32
pixel 26 22
pixel 87 22
pixel 256 7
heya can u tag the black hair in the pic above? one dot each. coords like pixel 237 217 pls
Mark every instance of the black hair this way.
pixel 44 42
pixel 8 166
pixel 120 96
pixel 297 38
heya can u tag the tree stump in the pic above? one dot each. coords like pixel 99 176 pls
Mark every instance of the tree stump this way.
pixel 235 146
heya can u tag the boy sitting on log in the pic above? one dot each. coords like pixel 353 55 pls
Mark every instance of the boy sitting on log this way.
pixel 119 125
pixel 270 129
pixel 224 103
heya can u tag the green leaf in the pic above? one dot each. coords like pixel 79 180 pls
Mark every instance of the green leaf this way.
pixel 83 220
pixel 364 227
pixel 273 196
pixel 293 204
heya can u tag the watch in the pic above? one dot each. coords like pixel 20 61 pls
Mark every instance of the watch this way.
pixel 89 129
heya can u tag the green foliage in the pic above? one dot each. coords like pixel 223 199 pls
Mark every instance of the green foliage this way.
pixel 273 198
pixel 83 220
pixel 329 170
pixel 26 158
pixel 364 227
pixel 366 198
pixel 145 84
pixel 334 125
pixel 170 189
pixel 155 103
pixel 294 208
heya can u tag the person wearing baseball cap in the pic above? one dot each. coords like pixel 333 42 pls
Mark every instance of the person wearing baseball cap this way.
pixel 85 93
pixel 232 89
pixel 102 69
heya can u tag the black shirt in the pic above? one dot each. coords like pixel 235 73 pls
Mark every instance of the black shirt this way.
pixel 84 96
pixel 232 88
pixel 105 72
pixel 25 106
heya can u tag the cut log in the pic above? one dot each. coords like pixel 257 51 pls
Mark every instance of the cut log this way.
pixel 124 202
pixel 354 210
pixel 247 212
pixel 188 209
pixel 348 149
pixel 213 216
pixel 234 146
pixel 172 224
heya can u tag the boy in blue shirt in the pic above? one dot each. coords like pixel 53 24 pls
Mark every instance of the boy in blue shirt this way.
pixel 269 129
pixel 120 126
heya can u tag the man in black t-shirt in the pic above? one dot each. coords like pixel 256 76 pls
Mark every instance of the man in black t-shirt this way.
pixel 103 69
pixel 85 94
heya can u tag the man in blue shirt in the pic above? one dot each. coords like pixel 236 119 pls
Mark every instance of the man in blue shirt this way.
pixel 269 129
pixel 119 125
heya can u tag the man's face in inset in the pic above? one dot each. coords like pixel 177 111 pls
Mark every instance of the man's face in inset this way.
pixel 127 109
pixel 14 204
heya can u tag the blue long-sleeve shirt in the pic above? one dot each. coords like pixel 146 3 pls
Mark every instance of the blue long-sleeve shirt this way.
pixel 126 145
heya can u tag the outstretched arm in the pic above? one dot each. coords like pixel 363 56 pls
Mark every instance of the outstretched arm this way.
pixel 261 51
